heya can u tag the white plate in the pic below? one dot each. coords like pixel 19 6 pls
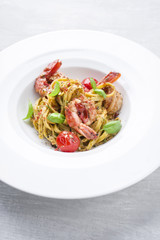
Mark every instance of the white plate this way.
pixel 30 164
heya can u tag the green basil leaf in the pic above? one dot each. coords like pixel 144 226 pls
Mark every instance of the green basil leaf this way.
pixel 93 83
pixel 56 117
pixel 56 90
pixel 30 111
pixel 100 92
pixel 112 127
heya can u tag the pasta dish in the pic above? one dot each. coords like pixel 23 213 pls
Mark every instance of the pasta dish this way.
pixel 74 115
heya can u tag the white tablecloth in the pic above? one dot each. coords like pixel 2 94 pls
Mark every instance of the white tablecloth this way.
pixel 131 214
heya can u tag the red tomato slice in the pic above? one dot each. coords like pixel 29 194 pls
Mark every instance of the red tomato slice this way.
pixel 87 84
pixel 68 141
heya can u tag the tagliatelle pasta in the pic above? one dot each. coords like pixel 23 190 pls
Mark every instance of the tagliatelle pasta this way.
pixel 70 90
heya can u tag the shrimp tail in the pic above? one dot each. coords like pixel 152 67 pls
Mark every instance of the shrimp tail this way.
pixel 110 77
pixel 86 131
pixel 51 68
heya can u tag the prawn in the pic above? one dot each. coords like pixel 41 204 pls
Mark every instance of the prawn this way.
pixel 49 74
pixel 80 113
pixel 113 104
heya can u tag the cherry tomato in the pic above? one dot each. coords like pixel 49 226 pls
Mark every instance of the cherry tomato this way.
pixel 87 84
pixel 68 141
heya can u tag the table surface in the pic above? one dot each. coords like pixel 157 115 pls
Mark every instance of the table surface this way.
pixel 133 213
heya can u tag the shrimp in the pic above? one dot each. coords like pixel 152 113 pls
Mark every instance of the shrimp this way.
pixel 49 74
pixel 80 113
pixel 113 104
